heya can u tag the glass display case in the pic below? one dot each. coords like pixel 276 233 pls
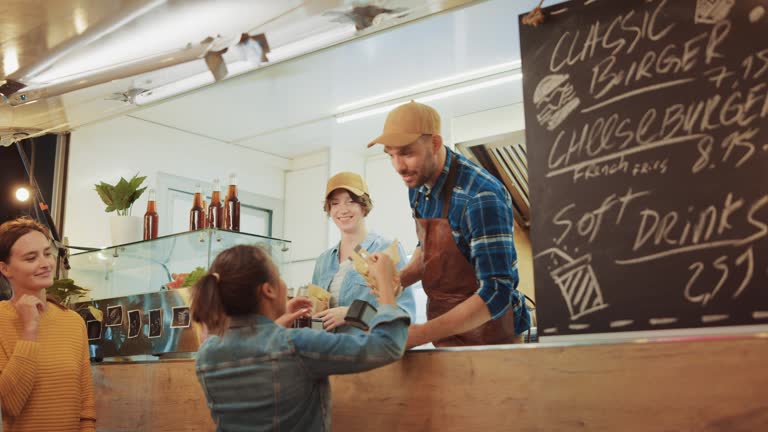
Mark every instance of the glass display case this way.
pixel 139 303
pixel 148 266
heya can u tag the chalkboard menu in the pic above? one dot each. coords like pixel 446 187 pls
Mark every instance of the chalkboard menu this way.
pixel 647 132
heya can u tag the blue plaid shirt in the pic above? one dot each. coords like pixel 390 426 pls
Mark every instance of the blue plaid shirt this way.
pixel 481 219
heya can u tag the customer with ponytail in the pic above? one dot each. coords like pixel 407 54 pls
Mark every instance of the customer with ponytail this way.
pixel 259 375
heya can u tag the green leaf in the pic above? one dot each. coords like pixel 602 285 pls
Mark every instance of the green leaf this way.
pixel 120 197
pixel 99 315
pixel 136 181
pixel 136 195
pixel 123 192
pixel 193 277
pixel 64 289
pixel 105 193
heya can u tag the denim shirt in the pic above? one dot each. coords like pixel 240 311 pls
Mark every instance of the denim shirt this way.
pixel 353 286
pixel 260 376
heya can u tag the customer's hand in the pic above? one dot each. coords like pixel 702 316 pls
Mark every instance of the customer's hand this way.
pixel 30 310
pixel 298 303
pixel 333 317
pixel 286 319
pixel 382 269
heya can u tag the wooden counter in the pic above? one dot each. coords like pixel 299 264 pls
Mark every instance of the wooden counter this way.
pixel 693 385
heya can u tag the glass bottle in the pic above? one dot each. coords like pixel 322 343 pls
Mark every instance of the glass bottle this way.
pixel 215 210
pixel 197 213
pixel 231 214
pixel 204 223
pixel 151 217
pixel 304 321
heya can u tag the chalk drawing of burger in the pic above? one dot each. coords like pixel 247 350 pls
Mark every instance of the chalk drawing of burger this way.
pixel 554 99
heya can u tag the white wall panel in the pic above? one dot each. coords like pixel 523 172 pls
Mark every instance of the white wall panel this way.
pixel 488 123
pixel 125 146
pixel 305 221
pixel 391 215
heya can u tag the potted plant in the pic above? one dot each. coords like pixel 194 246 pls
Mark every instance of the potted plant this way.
pixel 65 291
pixel 119 198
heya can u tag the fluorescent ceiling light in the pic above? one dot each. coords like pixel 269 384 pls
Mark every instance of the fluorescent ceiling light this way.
pixel 312 43
pixel 429 85
pixel 117 71
pixel 10 60
pixel 470 87
pixel 239 67
pixel 190 83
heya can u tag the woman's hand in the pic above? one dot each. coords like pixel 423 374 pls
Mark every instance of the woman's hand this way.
pixel 29 309
pixel 333 317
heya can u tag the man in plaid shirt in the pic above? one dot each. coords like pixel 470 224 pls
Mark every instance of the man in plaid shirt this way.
pixel 466 255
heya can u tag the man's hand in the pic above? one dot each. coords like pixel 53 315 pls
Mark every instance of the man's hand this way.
pixel 417 335
pixel 467 315
pixel 29 309
pixel 333 317
pixel 382 269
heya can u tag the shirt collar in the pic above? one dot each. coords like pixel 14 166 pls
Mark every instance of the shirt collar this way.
pixel 366 244
pixel 248 321
pixel 435 190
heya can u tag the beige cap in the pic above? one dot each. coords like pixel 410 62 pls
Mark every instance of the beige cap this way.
pixel 406 123
pixel 346 180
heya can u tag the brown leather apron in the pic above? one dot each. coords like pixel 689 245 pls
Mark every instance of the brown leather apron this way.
pixel 449 279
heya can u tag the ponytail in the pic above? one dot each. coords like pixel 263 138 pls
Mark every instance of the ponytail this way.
pixel 206 305
pixel 230 288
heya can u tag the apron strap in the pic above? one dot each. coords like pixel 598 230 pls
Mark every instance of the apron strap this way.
pixel 450 183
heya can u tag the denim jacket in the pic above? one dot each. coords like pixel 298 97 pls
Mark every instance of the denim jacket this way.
pixel 260 376
pixel 353 286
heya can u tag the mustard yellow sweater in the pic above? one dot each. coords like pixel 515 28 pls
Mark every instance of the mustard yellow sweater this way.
pixel 46 385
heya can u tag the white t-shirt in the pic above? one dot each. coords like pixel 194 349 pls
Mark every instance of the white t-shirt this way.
pixel 338 278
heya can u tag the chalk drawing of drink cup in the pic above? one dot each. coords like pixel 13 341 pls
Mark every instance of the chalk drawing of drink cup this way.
pixel 577 282
pixel 555 99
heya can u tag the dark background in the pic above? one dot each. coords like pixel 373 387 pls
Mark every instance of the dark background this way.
pixel 41 153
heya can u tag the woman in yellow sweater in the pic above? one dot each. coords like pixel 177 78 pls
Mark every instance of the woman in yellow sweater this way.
pixel 45 373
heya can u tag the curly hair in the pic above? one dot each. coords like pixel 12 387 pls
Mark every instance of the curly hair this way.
pixel 364 200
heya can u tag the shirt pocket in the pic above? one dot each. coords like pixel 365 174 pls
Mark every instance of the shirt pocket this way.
pixel 355 288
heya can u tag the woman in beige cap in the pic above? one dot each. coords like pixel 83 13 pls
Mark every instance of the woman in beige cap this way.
pixel 347 203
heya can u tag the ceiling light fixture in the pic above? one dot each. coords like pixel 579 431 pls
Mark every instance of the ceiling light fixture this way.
pixel 117 71
pixel 432 84
pixel 22 194
pixel 190 83
pixel 466 87
pixel 252 51
pixel 312 43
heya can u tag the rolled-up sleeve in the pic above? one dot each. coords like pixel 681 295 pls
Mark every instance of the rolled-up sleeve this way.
pixel 488 220
pixel 327 353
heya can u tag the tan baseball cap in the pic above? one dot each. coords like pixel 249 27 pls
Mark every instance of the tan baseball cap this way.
pixel 406 123
pixel 346 180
